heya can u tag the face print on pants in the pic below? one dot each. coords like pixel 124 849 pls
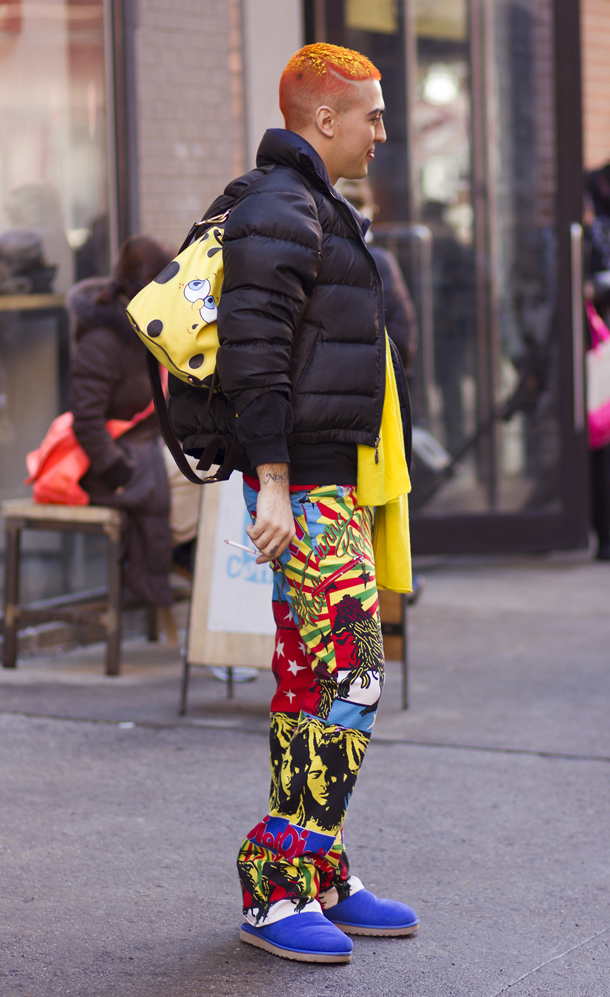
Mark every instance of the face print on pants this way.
pixel 318 773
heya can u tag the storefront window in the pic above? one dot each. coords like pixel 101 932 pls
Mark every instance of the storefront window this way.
pixel 53 210
pixel 465 196
pixel 53 163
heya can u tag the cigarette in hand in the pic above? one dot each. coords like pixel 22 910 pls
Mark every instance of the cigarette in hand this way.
pixel 248 550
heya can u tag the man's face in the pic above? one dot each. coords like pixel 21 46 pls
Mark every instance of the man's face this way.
pixel 286 773
pixel 318 781
pixel 357 132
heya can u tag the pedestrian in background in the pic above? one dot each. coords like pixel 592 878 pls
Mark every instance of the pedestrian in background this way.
pixel 399 310
pixel 597 291
pixel 400 316
pixel 109 380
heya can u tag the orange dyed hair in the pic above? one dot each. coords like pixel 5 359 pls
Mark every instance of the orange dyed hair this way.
pixel 319 74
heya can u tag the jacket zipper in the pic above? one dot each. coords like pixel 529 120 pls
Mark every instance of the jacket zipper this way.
pixel 356 228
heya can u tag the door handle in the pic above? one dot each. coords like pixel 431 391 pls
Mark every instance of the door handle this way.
pixel 578 345
pixel 423 235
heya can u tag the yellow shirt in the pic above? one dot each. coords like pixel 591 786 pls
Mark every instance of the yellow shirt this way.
pixel 385 485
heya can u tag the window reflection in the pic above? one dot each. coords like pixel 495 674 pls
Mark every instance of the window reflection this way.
pixel 53 224
pixel 466 201
pixel 53 139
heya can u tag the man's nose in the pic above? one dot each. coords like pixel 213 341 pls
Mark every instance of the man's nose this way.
pixel 380 135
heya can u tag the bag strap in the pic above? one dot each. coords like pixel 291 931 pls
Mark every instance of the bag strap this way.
pixel 204 223
pixel 171 440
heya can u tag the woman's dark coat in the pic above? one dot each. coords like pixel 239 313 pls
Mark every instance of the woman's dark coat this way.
pixel 109 380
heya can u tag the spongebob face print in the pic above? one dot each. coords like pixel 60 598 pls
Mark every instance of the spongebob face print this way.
pixel 200 290
pixel 176 314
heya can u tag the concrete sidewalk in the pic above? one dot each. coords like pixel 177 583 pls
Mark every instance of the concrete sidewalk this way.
pixel 486 806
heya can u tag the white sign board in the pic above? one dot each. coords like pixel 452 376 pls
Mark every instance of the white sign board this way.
pixel 240 599
pixel 231 620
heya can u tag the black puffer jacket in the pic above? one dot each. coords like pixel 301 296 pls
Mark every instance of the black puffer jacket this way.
pixel 301 312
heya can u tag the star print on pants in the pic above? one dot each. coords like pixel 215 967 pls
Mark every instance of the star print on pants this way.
pixel 279 647
pixel 293 668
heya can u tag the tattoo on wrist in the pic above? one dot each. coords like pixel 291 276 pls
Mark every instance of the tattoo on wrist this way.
pixel 277 477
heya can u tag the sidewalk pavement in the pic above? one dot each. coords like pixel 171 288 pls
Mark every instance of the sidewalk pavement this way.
pixel 485 806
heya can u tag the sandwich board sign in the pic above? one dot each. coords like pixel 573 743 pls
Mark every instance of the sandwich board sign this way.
pixel 231 619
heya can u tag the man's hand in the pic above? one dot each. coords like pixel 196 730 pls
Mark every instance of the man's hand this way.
pixel 274 526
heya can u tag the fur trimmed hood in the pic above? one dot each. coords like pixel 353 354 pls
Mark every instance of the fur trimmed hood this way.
pixel 87 313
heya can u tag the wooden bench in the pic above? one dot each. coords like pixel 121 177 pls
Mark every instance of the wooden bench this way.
pixel 23 514
pixel 100 607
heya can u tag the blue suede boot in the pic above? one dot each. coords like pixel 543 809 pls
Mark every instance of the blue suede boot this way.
pixel 363 913
pixel 306 937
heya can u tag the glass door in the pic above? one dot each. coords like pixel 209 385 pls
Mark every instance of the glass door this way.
pixel 54 230
pixel 478 194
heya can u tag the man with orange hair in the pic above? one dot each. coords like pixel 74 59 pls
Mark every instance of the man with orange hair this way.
pixel 305 362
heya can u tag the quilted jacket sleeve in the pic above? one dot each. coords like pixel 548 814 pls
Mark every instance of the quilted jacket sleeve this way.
pixel 272 252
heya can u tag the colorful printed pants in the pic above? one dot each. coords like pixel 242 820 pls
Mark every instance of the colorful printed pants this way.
pixel 329 667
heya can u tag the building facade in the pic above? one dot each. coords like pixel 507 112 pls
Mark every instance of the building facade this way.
pixel 129 116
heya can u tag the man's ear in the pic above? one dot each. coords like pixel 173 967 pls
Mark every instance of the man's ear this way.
pixel 326 119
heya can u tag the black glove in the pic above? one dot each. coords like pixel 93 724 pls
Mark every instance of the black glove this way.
pixel 117 475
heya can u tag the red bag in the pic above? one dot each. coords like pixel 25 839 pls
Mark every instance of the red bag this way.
pixel 56 468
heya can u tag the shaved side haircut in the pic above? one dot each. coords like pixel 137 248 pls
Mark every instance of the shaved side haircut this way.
pixel 321 74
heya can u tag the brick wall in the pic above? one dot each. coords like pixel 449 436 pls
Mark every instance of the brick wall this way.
pixel 190 128
pixel 596 81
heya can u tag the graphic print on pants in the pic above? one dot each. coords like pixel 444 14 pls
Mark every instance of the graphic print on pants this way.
pixel 329 666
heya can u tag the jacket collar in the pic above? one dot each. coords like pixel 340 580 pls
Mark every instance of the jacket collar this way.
pixel 285 148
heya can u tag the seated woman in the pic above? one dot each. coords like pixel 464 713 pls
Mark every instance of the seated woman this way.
pixel 109 380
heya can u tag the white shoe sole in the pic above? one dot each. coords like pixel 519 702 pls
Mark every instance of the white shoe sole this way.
pixel 352 929
pixel 267 946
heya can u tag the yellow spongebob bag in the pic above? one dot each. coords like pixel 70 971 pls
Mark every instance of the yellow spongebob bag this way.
pixel 175 316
